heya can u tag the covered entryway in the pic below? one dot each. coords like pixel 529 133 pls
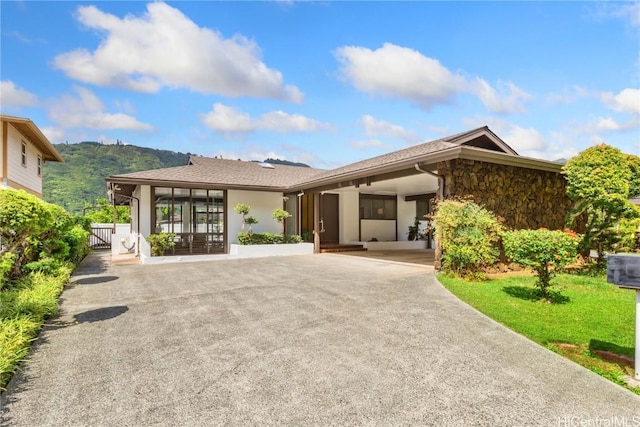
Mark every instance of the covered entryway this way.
pixel 329 218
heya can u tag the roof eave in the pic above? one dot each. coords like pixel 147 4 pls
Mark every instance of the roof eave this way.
pixel 192 184
pixel 46 147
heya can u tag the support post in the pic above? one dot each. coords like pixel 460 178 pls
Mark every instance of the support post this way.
pixel 316 223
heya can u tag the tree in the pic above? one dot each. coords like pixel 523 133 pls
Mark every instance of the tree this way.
pixel 102 212
pixel 600 181
pixel 280 215
pixel 544 251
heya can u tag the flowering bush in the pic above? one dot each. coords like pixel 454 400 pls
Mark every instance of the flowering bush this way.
pixel 468 234
pixel 544 251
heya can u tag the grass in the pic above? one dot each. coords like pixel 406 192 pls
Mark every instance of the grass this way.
pixel 587 313
pixel 23 310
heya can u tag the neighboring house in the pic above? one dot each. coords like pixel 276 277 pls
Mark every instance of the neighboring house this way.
pixel 374 199
pixel 24 151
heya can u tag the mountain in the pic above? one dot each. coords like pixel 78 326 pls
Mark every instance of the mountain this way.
pixel 80 179
pixel 286 163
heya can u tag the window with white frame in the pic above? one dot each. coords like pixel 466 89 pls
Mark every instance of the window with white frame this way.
pixel 24 154
pixel 39 165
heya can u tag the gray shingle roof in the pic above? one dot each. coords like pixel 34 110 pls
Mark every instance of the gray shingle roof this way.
pixel 225 172
pixel 239 174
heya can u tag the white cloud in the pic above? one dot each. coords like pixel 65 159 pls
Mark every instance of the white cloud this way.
pixel 87 111
pixel 399 72
pixel 626 10
pixel 604 125
pixel 509 98
pixel 373 127
pixel 164 48
pixel 250 152
pixel 369 143
pixel 404 73
pixel 627 100
pixel 53 134
pixel 524 140
pixel 228 120
pixel 279 121
pixel 12 96
pixel 568 95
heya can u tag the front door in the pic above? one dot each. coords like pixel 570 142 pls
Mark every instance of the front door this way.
pixel 329 218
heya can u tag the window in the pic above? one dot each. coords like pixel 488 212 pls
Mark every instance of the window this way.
pixel 196 216
pixel 40 166
pixel 24 154
pixel 374 206
pixel 422 209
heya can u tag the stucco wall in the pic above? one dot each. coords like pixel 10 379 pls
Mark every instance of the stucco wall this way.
pixel 349 205
pixel 406 215
pixel 525 198
pixel 383 230
pixel 24 176
pixel 262 204
pixel 142 193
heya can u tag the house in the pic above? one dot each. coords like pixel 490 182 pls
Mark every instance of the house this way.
pixel 24 151
pixel 371 202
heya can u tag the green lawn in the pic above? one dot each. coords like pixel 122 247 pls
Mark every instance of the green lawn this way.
pixel 587 312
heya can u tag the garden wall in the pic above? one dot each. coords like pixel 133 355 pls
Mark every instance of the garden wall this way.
pixel 525 198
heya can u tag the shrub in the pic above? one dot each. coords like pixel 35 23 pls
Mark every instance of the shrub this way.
pixel 468 234
pixel 23 309
pixel 161 242
pixel 543 251
pixel 37 234
pixel 248 238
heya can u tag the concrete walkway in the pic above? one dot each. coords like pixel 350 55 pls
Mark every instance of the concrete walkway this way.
pixel 305 340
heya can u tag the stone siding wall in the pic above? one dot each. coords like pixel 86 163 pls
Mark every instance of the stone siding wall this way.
pixel 525 198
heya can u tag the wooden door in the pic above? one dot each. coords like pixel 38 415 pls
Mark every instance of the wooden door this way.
pixel 330 218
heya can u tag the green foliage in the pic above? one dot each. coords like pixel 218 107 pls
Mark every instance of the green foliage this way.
pixel 244 209
pixel 280 215
pixel 23 309
pixel 102 212
pixel 544 251
pixel 600 181
pixel 38 234
pixel 250 221
pixel 634 180
pixel 80 179
pixel 249 238
pixel 468 234
pixel 161 242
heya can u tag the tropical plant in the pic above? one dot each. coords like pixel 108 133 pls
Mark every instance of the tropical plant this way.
pixel 242 209
pixel 468 234
pixel 600 181
pixel 102 212
pixel 280 215
pixel 544 251
pixel 161 243
pixel 37 234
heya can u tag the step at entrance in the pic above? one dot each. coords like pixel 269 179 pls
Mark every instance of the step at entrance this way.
pixel 333 248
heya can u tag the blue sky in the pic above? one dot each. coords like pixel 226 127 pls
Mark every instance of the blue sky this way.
pixel 325 83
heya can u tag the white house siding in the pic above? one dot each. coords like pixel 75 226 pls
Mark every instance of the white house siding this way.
pixel 406 215
pixel 383 230
pixel 349 205
pixel 23 176
pixel 143 193
pixel 262 203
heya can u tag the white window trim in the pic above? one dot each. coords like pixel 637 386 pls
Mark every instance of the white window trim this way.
pixel 23 155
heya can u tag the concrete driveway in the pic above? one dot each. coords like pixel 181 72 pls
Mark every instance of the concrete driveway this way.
pixel 321 339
